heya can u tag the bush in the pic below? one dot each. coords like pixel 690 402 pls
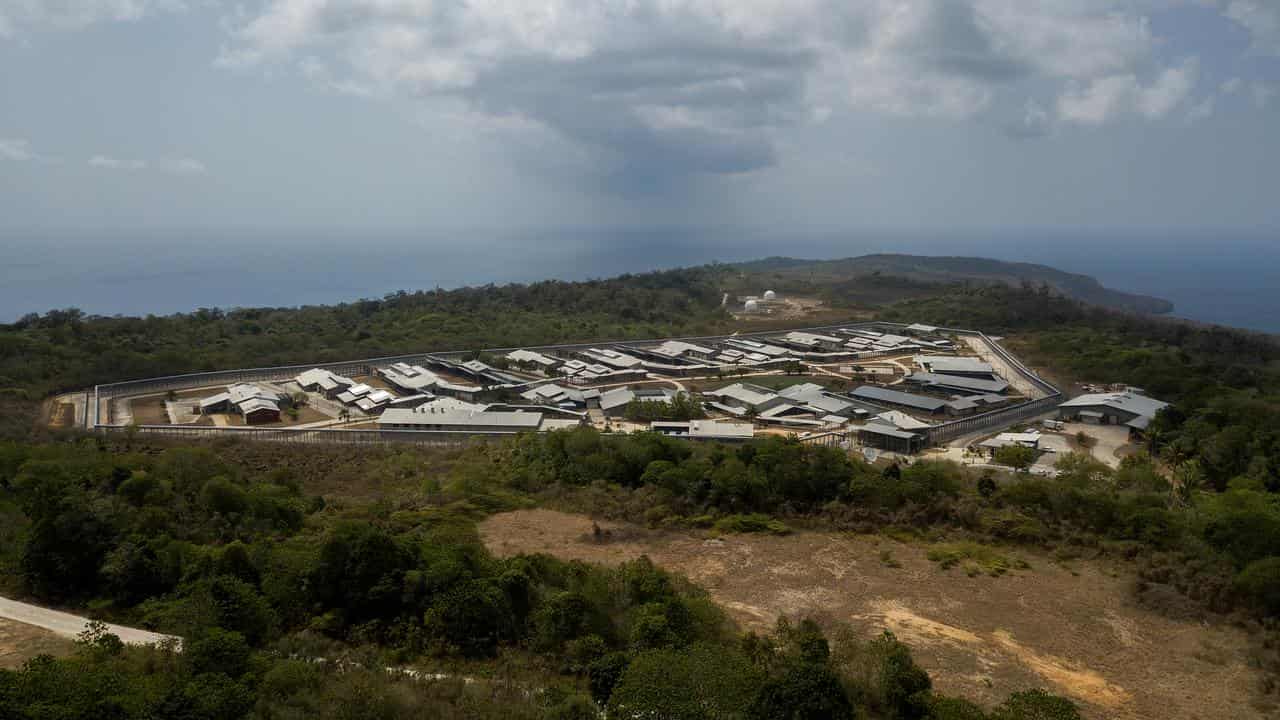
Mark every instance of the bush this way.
pixel 975 558
pixel 603 675
pixel 755 523
pixel 699 682
pixel 1259 585
pixel 1036 705
pixel 472 618
pixel 1016 456
pixel 217 650
pixel 805 691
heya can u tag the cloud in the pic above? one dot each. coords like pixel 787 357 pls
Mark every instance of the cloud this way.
pixel 707 86
pixel 1036 122
pixel 170 166
pixel 182 166
pixel 1106 98
pixel 1262 93
pixel 1231 86
pixel 1262 19
pixel 73 14
pixel 1202 110
pixel 17 150
pixel 110 163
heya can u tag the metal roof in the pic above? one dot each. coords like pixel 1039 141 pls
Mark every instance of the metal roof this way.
pixel 959 382
pixel 677 348
pixel 215 400
pixel 953 364
pixel 1126 401
pixel 705 429
pixel 322 377
pixel 874 393
pixel 529 356
pixel 257 404
pixel 901 420
pixel 887 431
pixel 745 393
pixel 616 398
pixel 462 418
pixel 410 377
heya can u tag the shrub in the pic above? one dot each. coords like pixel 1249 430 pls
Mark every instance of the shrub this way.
pixel 975 559
pixel 702 681
pixel 1036 705
pixel 754 523
pixel 1259 584
pixel 805 691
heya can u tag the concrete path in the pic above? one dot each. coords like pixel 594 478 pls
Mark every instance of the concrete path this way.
pixel 70 626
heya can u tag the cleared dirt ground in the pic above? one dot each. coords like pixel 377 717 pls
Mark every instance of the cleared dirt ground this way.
pixel 20 642
pixel 1078 634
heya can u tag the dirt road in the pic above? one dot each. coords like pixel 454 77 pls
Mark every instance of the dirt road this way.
pixel 68 625
pixel 1074 631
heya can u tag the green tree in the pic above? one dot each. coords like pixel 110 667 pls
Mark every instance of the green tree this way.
pixel 803 691
pixel 1036 705
pixel 702 682
pixel 1259 584
pixel 1018 457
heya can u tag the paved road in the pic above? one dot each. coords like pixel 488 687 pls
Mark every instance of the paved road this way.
pixel 68 625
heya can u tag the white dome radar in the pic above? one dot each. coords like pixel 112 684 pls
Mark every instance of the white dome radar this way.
pixel 770 295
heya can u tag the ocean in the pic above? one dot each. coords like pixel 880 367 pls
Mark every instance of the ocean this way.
pixel 1229 280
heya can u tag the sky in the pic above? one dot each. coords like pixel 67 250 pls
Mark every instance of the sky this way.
pixel 250 118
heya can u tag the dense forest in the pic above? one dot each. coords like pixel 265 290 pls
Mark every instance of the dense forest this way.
pixel 65 349
pixel 293 591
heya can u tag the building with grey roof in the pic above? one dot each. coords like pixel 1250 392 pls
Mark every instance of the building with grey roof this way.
pixel 257 404
pixel 613 359
pixel 955 365
pixel 747 396
pixel 1118 408
pixel 216 404
pixel 613 403
pixel 257 411
pixel 705 430
pixel 679 349
pixel 920 329
pixel 962 384
pixel 533 360
pixel 409 378
pixel 323 381
pixel 887 437
pixel 900 420
pixel 885 396
pixel 759 348
pixel 816 398
pixel 459 420
pixel 812 341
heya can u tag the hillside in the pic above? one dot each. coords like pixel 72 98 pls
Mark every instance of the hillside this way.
pixel 951 270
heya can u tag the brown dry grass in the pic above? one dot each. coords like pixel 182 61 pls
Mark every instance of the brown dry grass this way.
pixel 20 642
pixel 1077 633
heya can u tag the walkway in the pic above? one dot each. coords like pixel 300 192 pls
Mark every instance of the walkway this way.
pixel 70 626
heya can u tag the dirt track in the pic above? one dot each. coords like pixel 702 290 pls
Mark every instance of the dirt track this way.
pixel 20 642
pixel 981 637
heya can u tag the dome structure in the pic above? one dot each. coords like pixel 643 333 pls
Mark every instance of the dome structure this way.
pixel 752 306
pixel 770 295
